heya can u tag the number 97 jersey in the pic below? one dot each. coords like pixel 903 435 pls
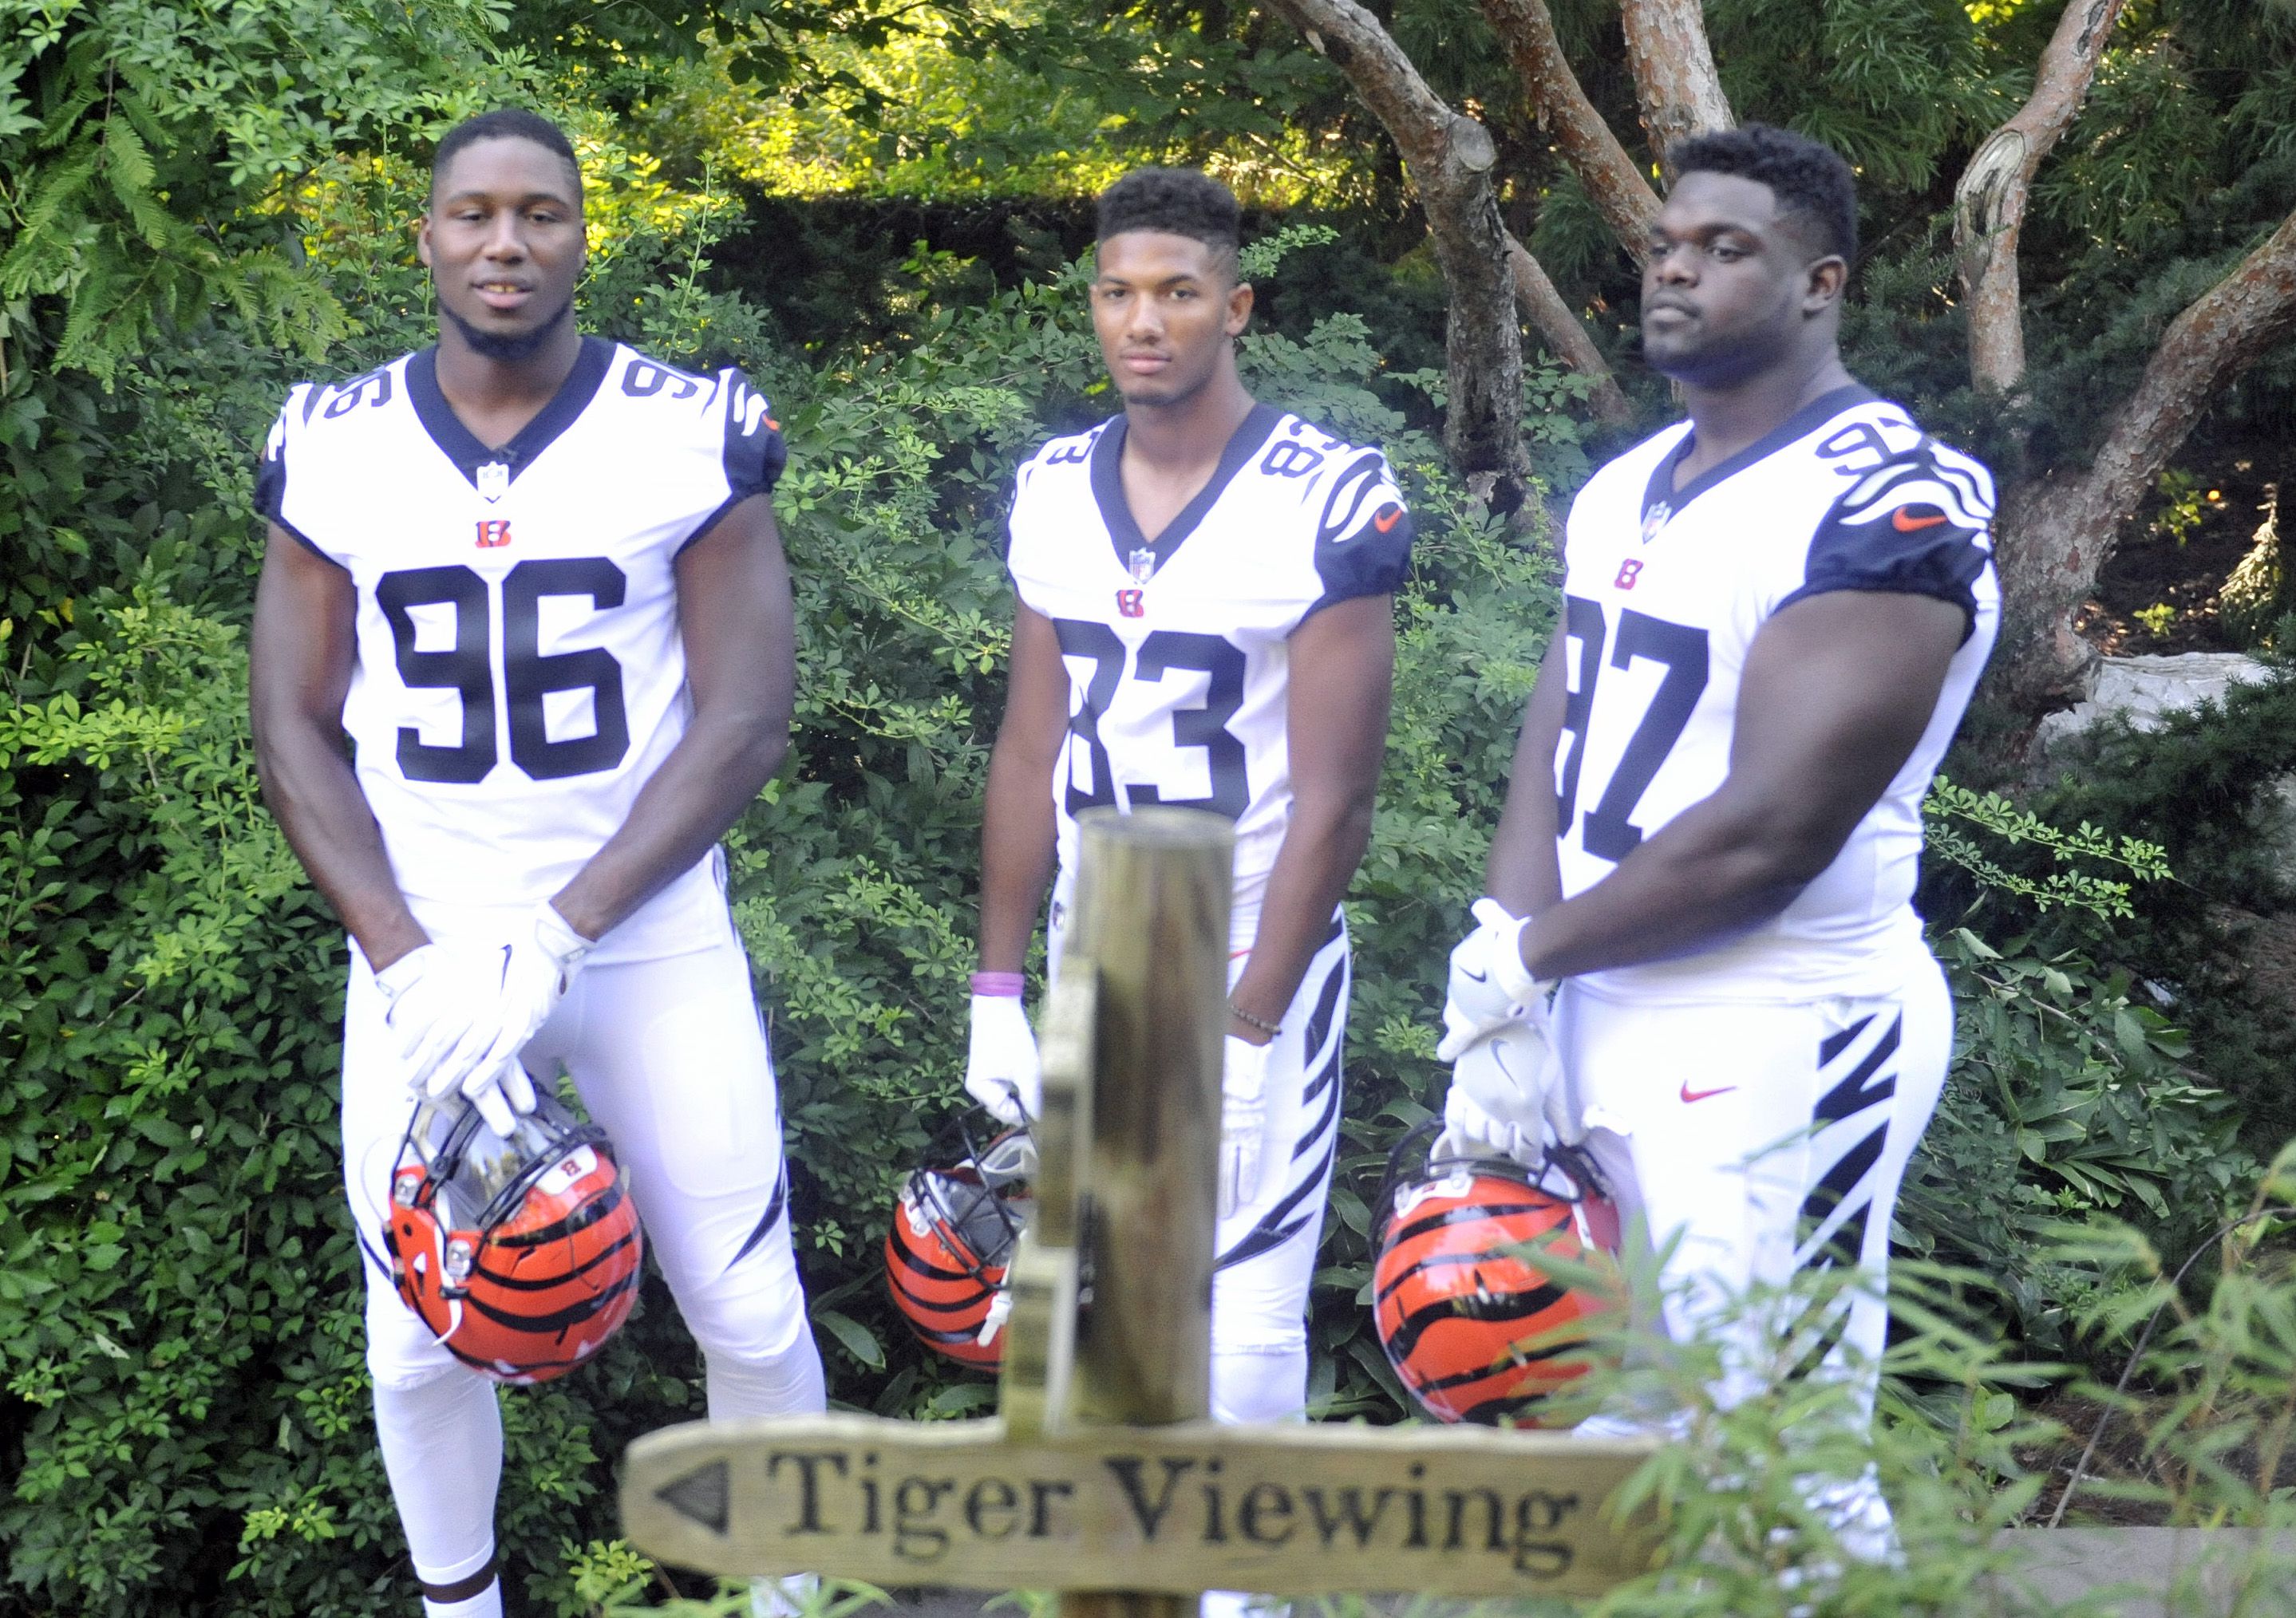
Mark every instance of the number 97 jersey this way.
pixel 518 673
pixel 1666 586
pixel 1177 648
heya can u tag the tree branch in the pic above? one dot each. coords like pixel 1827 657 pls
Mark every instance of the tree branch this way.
pixel 1450 157
pixel 1620 192
pixel 1989 204
pixel 1675 77
pixel 1554 320
pixel 2062 531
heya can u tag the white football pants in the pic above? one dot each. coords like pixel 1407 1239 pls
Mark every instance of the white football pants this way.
pixel 1766 1140
pixel 669 1058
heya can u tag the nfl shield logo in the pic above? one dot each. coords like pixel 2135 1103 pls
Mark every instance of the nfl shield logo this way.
pixel 1654 519
pixel 494 480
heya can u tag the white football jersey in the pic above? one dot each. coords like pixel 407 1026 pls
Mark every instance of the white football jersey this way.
pixel 1666 589
pixel 518 671
pixel 1176 650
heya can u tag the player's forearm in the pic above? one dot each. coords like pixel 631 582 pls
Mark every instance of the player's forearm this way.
pixel 1716 870
pixel 315 799
pixel 711 776
pixel 1522 871
pixel 1322 848
pixel 1016 856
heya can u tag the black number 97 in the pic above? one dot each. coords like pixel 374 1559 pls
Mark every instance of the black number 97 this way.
pixel 527 675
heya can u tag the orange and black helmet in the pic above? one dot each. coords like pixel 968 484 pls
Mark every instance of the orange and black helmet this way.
pixel 1473 1326
pixel 522 1255
pixel 954 1229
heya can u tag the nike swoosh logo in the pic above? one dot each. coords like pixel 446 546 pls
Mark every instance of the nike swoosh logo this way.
pixel 1906 522
pixel 1386 520
pixel 1474 976
pixel 1689 1094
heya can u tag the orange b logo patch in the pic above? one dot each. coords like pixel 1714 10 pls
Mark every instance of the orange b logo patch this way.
pixel 494 533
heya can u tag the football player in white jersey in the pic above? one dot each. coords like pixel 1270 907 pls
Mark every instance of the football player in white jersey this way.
pixel 536 578
pixel 1204 618
pixel 1775 613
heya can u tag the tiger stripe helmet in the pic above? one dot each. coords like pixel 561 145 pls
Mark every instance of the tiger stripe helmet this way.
pixel 1473 1329
pixel 521 1255
pixel 959 1214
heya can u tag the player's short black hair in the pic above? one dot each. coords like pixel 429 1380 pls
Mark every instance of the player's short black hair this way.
pixel 1809 177
pixel 507 123
pixel 1183 201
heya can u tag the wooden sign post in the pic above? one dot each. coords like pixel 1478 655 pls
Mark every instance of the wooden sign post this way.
pixel 1101 1477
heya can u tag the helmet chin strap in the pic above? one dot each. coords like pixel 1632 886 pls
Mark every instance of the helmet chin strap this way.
pixel 1000 1309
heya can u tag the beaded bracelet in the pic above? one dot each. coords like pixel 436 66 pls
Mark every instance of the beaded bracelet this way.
pixel 1270 1029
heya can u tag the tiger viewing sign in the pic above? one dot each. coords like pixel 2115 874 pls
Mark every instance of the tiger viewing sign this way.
pixel 1293 1511
pixel 1102 1477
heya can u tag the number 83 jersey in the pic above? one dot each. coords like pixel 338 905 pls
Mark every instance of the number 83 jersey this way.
pixel 518 671
pixel 1666 589
pixel 1176 649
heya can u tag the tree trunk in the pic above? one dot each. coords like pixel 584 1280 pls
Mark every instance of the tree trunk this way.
pixel 2058 532
pixel 1450 157
pixel 1620 192
pixel 1543 307
pixel 1674 77
pixel 1989 204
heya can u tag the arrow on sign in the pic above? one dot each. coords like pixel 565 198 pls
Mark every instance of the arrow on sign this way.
pixel 702 1496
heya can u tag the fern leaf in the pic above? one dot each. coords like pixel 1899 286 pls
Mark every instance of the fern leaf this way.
pixel 127 165
pixel 93 304
pixel 64 179
pixel 43 257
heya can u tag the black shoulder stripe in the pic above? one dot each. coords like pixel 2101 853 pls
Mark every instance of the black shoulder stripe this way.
pixel 1351 490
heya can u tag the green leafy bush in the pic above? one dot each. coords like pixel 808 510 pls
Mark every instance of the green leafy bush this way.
pixel 2070 1095
pixel 2207 786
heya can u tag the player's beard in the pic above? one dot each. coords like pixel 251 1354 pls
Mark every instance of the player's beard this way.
pixel 1713 365
pixel 509 348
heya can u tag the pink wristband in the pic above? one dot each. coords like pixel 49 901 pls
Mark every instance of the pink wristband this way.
pixel 1007 983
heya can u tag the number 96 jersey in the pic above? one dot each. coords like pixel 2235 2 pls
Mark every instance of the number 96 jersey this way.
pixel 518 673
pixel 1176 647
pixel 1666 589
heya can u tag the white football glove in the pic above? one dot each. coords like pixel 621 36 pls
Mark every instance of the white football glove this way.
pixel 462 1013
pixel 501 1096
pixel 1490 986
pixel 439 1001
pixel 539 964
pixel 1243 1122
pixel 1507 1096
pixel 1001 1070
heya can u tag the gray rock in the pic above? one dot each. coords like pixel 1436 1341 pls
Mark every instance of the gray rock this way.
pixel 2144 689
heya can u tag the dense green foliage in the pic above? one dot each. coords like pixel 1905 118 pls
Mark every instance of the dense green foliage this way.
pixel 2208 784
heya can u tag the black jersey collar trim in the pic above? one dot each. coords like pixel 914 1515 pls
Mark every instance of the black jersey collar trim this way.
pixel 1663 500
pixel 460 445
pixel 1116 511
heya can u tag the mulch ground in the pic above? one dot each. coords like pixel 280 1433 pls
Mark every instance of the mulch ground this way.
pixel 2149 569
